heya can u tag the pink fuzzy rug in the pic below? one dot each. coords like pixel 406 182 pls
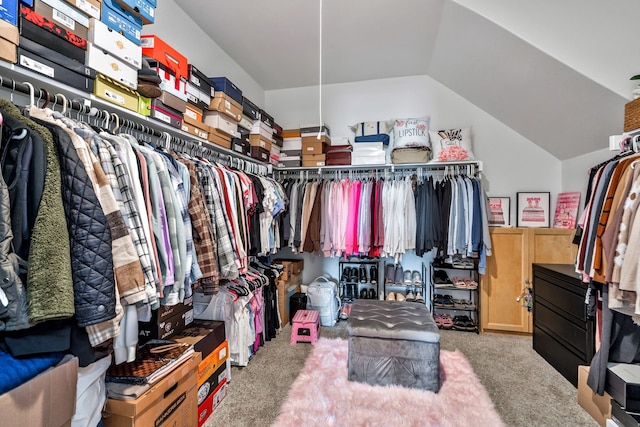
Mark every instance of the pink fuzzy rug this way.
pixel 322 396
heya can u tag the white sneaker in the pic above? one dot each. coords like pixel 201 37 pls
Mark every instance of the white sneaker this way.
pixel 400 297
pixel 410 296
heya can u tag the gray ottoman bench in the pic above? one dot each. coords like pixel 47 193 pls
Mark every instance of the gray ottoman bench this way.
pixel 393 343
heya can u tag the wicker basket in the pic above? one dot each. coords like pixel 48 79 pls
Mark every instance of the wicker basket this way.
pixel 632 115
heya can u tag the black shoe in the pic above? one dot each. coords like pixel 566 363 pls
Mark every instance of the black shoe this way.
pixel 353 275
pixel 372 294
pixel 373 274
pixel 363 274
pixel 364 294
pixel 346 272
pixel 354 290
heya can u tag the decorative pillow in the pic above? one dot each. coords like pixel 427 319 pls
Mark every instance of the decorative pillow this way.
pixel 372 131
pixel 411 133
pixel 452 145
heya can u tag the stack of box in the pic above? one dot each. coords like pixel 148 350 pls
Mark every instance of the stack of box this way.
pixel 9 35
pixel 225 112
pixel 291 152
pixel 368 153
pixel 200 91
pixel 339 152
pixel 53 41
pixel 315 140
pixel 288 284
pixel 172 401
pixel 173 69
pixel 261 137
pixel 623 385
pixel 167 321
pixel 276 147
pixel 209 339
pixel 250 114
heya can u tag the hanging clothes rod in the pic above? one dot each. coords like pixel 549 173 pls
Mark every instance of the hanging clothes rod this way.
pixel 167 136
pixel 476 164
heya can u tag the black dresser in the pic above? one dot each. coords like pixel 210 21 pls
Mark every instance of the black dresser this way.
pixel 562 333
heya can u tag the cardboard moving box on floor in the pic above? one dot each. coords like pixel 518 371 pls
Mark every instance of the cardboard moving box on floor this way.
pixel 599 407
pixel 172 401
pixel 49 399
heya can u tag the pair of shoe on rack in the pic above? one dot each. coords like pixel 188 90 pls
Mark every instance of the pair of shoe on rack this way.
pixel 410 297
pixel 395 274
pixel 368 277
pixel 414 296
pixel 368 294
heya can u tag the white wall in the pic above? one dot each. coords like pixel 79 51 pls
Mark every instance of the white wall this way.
pixel 176 28
pixel 511 162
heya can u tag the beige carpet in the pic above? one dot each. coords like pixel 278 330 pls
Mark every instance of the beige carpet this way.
pixel 524 388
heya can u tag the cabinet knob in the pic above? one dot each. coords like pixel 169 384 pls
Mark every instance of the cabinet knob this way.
pixel 527 281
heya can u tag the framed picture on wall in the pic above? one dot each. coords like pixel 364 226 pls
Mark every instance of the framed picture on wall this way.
pixel 533 209
pixel 566 210
pixel 499 211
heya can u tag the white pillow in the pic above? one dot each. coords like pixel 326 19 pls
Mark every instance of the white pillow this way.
pixel 451 145
pixel 411 133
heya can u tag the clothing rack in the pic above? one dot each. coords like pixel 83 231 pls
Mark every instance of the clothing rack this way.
pixel 146 129
pixel 469 168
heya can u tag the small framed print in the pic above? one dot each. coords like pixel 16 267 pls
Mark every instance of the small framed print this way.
pixel 499 211
pixel 533 209
pixel 566 210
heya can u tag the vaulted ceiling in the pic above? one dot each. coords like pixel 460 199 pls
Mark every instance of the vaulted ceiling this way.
pixel 557 72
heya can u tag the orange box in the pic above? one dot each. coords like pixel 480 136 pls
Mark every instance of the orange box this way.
pixel 219 138
pixel 193 112
pixel 291 133
pixel 212 362
pixel 154 47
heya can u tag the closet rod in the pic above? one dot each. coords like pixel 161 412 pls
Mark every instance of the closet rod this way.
pixel 477 164
pixel 231 158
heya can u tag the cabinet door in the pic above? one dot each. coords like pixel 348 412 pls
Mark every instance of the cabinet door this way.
pixel 552 246
pixel 507 272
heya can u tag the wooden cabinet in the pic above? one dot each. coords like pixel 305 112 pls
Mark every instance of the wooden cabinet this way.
pixel 509 272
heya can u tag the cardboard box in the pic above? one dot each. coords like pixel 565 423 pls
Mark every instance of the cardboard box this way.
pixel 9 11
pixel 313 147
pixel 163 329
pixel 27 14
pixel 111 66
pixel 121 21
pixel 8 51
pixel 111 91
pixel 599 407
pixel 170 100
pixel 246 123
pixel 144 106
pixel 211 403
pixel 156 48
pixel 205 336
pixel 167 311
pixel 140 8
pixel 222 122
pixel 193 130
pixel 172 401
pixel 55 71
pixel 223 84
pixel 114 43
pixel 193 111
pixel 291 133
pixel 49 399
pixel 623 384
pixel 225 104
pixel 285 291
pixel 212 362
pixel 313 160
pixel 260 153
pixel 308 140
pixel 9 32
pixel 296 265
pixel 162 112
pixel 260 141
pixel 90 7
pixel 219 138
pixel 56 57
pixel 65 15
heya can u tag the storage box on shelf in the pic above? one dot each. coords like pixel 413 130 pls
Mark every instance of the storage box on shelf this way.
pixel 456 294
pixel 121 21
pixel 63 13
pixel 9 36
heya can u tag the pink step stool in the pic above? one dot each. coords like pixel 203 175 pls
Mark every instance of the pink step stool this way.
pixel 305 319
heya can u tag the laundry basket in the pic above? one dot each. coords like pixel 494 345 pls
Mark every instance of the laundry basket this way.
pixel 322 296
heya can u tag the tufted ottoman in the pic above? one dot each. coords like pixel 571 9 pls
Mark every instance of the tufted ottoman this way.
pixel 393 342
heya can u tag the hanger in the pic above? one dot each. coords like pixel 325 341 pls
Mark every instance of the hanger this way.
pixel 64 103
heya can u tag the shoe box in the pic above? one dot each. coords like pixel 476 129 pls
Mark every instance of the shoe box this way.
pixel 9 38
pixel 114 43
pixel 170 82
pixel 121 21
pixel 165 328
pixel 205 336
pixel 56 57
pixel 225 85
pixel 156 48
pixel 313 160
pixel 274 154
pixel 250 110
pixel 195 127
pixel 211 403
pixel 110 66
pixel 226 104
pixel 599 407
pixel 295 266
pixel 63 35
pixel 111 91
pixel 63 14
pixel 52 70
pixel 260 154
pixel 259 141
pixel 143 9
pixel 266 118
pixel 172 401
pixel 219 138
pixel 9 11
pixel 623 385
pixel 91 7
pixel 200 90
pixel 221 122
pixel 47 399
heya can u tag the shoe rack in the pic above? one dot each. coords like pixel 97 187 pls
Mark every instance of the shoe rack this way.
pixel 455 294
pixel 359 278
pixel 404 285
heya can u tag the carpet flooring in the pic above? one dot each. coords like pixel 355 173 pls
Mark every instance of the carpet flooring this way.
pixel 524 388
pixel 322 396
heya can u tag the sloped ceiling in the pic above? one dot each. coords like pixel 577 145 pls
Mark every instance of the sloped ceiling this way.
pixel 500 56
